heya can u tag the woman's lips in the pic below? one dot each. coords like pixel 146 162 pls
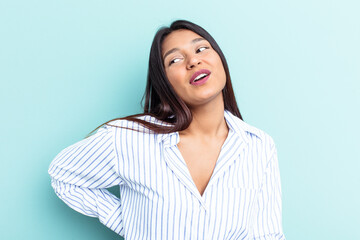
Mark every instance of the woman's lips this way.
pixel 201 81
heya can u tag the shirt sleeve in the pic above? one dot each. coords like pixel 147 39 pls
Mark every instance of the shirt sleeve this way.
pixel 81 173
pixel 268 206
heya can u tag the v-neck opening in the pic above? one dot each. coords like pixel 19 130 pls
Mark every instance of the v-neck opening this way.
pixel 230 132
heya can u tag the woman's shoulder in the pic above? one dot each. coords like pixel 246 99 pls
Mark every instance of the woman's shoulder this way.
pixel 248 131
pixel 133 125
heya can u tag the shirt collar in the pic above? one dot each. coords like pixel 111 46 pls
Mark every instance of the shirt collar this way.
pixel 239 127
pixel 235 124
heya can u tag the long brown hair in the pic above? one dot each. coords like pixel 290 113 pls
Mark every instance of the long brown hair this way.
pixel 161 101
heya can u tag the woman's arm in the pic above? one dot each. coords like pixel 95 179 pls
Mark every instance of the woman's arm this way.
pixel 268 208
pixel 81 172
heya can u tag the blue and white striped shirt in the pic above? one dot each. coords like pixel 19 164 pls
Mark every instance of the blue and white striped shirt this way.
pixel 159 199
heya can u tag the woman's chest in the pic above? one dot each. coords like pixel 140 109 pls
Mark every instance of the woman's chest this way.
pixel 163 169
pixel 159 183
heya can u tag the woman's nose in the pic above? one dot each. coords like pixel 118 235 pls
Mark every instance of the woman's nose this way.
pixel 193 61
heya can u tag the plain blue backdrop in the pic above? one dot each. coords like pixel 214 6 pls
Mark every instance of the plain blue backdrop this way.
pixel 68 66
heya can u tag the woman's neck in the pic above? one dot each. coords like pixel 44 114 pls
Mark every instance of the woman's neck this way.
pixel 207 121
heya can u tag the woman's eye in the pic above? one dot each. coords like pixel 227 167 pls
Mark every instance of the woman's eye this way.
pixel 201 49
pixel 174 61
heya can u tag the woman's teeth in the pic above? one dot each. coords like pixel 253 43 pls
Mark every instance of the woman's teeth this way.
pixel 200 76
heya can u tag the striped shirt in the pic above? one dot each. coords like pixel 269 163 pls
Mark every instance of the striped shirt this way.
pixel 158 198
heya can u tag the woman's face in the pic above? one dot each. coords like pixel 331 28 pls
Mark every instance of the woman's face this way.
pixel 193 68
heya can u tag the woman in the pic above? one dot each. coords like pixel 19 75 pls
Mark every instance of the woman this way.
pixel 188 167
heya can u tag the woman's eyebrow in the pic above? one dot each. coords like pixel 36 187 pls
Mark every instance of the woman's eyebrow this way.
pixel 195 40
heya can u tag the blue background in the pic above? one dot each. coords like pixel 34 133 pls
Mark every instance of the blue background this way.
pixel 68 66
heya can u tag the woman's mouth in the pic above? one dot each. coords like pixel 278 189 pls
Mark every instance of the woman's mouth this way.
pixel 200 77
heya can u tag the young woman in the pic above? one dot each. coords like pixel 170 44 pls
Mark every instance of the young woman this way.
pixel 188 167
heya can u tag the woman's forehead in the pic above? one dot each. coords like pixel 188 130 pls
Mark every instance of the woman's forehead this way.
pixel 180 38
